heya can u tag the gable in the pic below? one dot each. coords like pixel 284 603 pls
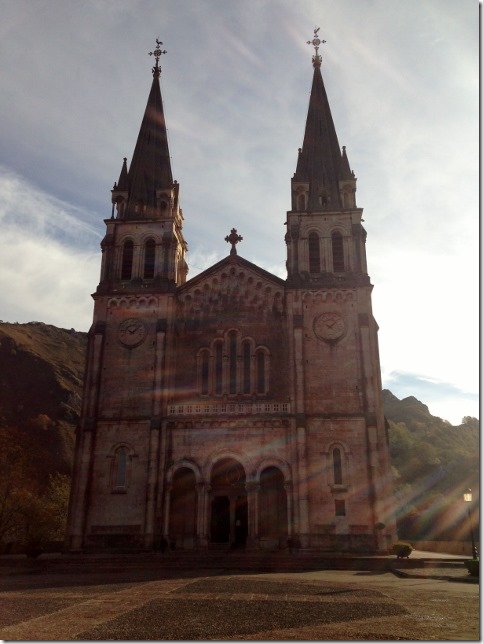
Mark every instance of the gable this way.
pixel 232 290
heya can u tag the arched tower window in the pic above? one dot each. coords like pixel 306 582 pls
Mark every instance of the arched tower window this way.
pixel 219 368
pixel 205 373
pixel 127 260
pixel 301 202
pixel 232 362
pixel 260 372
pixel 314 253
pixel 338 253
pixel 337 465
pixel 246 353
pixel 120 467
pixel 149 257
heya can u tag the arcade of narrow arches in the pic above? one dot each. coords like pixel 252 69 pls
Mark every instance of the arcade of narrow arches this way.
pixel 228 510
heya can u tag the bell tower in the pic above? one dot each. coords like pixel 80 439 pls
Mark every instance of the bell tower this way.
pixel 325 238
pixel 129 367
pixel 333 338
pixel 144 245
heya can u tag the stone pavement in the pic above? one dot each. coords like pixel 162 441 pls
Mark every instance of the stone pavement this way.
pixel 144 598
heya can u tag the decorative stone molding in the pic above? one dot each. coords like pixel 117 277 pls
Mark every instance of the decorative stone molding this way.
pixel 209 409
pixel 135 302
pixel 339 296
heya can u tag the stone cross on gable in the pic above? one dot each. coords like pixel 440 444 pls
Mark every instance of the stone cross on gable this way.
pixel 233 238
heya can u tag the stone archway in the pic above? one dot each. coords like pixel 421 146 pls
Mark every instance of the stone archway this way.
pixel 272 508
pixel 183 508
pixel 229 515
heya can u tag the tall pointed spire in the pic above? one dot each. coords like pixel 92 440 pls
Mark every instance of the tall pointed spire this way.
pixel 150 169
pixel 319 161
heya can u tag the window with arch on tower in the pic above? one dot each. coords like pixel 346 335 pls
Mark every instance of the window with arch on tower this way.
pixel 119 474
pixel 205 373
pixel 261 361
pixel 314 253
pixel 218 368
pixel 338 253
pixel 127 260
pixel 246 358
pixel 149 259
pixel 338 472
pixel 337 466
pixel 232 362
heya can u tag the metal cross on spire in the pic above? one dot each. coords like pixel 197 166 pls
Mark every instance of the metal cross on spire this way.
pixel 157 55
pixel 315 42
pixel 233 238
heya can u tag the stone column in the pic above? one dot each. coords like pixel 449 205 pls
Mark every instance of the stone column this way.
pixel 201 532
pixel 302 487
pixel 166 509
pixel 154 443
pixel 151 487
pixel 78 500
pixel 207 513
pixel 288 491
pixel 252 488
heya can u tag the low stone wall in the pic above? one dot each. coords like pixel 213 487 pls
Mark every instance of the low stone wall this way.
pixel 447 547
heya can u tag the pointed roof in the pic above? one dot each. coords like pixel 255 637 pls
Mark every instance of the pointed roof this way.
pixel 320 162
pixel 123 183
pixel 150 168
pixel 345 169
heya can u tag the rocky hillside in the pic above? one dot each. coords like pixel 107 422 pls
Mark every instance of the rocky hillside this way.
pixel 41 375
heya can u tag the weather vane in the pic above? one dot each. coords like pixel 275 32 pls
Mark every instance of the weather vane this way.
pixel 157 55
pixel 233 239
pixel 315 42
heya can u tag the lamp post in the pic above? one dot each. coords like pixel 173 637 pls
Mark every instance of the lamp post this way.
pixel 468 497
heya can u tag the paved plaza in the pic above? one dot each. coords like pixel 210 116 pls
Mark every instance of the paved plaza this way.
pixel 103 599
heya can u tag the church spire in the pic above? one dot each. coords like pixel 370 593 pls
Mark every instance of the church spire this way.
pixel 150 180
pixel 320 164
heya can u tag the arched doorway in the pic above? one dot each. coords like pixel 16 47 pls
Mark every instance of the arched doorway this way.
pixel 229 515
pixel 183 508
pixel 272 503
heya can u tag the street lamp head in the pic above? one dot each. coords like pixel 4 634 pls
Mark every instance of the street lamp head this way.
pixel 468 496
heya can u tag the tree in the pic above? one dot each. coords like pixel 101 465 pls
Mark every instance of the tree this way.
pixel 14 481
pixel 32 512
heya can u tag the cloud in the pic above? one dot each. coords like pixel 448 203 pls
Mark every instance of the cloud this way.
pixel 49 254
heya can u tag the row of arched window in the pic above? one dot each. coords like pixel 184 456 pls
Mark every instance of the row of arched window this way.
pixel 232 365
pixel 337 244
pixel 348 199
pixel 149 254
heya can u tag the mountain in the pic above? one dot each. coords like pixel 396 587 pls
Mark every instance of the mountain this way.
pixel 433 464
pixel 41 375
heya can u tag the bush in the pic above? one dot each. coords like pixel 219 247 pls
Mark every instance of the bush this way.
pixel 473 567
pixel 402 549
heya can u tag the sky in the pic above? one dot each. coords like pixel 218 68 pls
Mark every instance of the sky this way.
pixel 403 85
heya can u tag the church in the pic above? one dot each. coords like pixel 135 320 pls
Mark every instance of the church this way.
pixel 235 409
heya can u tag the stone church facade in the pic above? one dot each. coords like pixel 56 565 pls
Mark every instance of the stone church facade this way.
pixel 234 409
